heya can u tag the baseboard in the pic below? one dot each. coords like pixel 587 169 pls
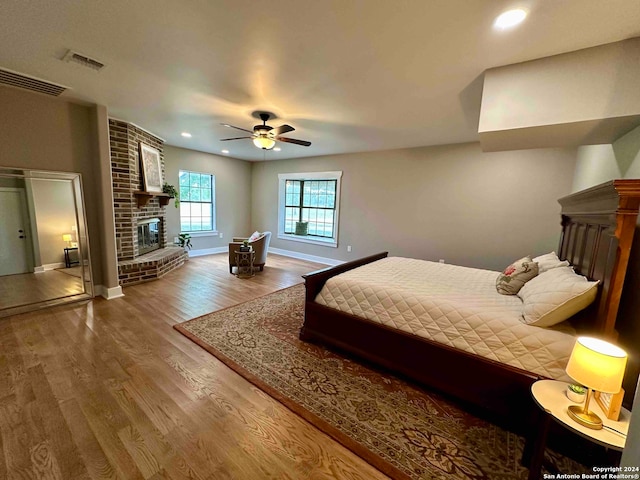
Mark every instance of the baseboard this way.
pixel 278 251
pixel 47 267
pixel 304 256
pixel 109 293
pixel 207 251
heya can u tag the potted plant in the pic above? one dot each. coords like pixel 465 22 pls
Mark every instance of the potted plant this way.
pixel 576 393
pixel 245 246
pixel 172 192
pixel 302 228
pixel 184 240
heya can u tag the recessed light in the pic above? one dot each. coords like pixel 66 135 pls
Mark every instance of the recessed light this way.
pixel 510 18
pixel 225 151
pixel 186 134
pixel 277 149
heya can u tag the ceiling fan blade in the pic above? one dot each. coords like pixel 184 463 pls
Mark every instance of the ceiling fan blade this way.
pixel 234 138
pixel 304 143
pixel 237 128
pixel 282 129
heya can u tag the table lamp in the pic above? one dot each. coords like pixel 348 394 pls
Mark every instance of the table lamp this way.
pixel 598 365
pixel 67 238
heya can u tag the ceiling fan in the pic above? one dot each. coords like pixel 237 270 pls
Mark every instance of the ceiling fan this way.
pixel 264 136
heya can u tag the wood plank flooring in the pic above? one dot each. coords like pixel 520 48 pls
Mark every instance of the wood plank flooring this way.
pixel 26 288
pixel 108 390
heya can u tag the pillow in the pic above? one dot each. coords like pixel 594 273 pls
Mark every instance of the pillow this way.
pixel 548 261
pixel 555 295
pixel 516 275
pixel 254 236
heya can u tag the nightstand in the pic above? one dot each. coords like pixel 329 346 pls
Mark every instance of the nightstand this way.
pixel 552 401
pixel 68 261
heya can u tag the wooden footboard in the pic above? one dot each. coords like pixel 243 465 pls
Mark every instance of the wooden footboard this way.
pixel 314 281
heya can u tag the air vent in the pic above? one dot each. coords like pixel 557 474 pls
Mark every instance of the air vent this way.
pixel 15 79
pixel 83 60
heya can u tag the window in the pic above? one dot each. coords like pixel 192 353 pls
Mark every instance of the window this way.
pixel 197 202
pixel 308 207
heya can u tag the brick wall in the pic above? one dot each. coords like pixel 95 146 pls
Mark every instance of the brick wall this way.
pixel 125 166
pixel 156 265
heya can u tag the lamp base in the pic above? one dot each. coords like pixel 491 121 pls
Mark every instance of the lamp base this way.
pixel 586 419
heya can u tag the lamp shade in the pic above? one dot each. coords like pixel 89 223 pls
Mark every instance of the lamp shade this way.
pixel 265 143
pixel 597 364
pixel 66 237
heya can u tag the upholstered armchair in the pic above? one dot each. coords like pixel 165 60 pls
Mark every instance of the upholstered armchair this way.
pixel 260 246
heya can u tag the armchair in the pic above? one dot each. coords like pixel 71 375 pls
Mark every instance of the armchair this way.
pixel 260 247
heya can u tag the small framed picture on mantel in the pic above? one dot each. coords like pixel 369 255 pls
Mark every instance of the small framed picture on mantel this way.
pixel 151 168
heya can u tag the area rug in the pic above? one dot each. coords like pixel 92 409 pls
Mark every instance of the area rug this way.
pixel 402 430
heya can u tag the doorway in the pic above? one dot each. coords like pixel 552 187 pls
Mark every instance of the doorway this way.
pixel 14 254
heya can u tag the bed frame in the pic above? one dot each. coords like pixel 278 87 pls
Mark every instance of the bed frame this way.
pixel 597 231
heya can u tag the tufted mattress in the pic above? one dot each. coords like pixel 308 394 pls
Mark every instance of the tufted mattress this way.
pixel 453 305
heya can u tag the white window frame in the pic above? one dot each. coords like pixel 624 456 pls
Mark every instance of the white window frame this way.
pixel 282 178
pixel 214 216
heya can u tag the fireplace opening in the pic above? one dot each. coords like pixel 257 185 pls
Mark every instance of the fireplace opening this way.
pixel 148 235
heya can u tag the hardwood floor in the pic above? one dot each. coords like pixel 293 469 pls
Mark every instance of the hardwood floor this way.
pixel 107 389
pixel 26 288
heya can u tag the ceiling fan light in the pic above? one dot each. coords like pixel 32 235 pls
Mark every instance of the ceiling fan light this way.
pixel 264 143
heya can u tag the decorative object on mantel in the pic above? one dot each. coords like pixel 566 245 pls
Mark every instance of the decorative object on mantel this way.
pixel 151 168
pixel 172 192
pixel 144 197
pixel 302 228
pixel 184 240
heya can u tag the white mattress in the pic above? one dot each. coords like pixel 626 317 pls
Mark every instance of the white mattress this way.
pixel 453 305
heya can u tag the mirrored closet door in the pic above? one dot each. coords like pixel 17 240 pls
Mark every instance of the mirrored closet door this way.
pixel 44 253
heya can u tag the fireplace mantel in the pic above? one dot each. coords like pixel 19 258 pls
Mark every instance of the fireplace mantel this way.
pixel 144 197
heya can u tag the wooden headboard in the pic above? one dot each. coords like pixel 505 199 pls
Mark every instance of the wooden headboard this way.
pixel 597 232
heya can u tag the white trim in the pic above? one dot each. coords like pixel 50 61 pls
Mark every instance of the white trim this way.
pixel 304 256
pixel 109 292
pixel 328 242
pixel 205 233
pixel 331 175
pixel 214 205
pixel 47 267
pixel 207 251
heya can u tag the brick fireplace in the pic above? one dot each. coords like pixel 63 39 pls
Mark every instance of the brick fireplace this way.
pixel 134 265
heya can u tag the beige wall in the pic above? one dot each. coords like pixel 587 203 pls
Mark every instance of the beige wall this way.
pixel 596 164
pixel 452 202
pixel 582 97
pixel 233 194
pixel 55 213
pixel 39 132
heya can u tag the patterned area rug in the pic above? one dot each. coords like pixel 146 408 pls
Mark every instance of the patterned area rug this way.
pixel 404 431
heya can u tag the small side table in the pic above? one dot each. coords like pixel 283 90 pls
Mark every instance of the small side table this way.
pixel 244 263
pixel 67 257
pixel 550 396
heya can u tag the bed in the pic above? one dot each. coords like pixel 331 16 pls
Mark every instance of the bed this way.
pixel 597 227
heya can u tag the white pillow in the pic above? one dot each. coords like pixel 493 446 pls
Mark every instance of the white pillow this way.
pixel 548 261
pixel 555 295
pixel 254 236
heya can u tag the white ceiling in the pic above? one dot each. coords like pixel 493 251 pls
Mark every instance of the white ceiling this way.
pixel 349 75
